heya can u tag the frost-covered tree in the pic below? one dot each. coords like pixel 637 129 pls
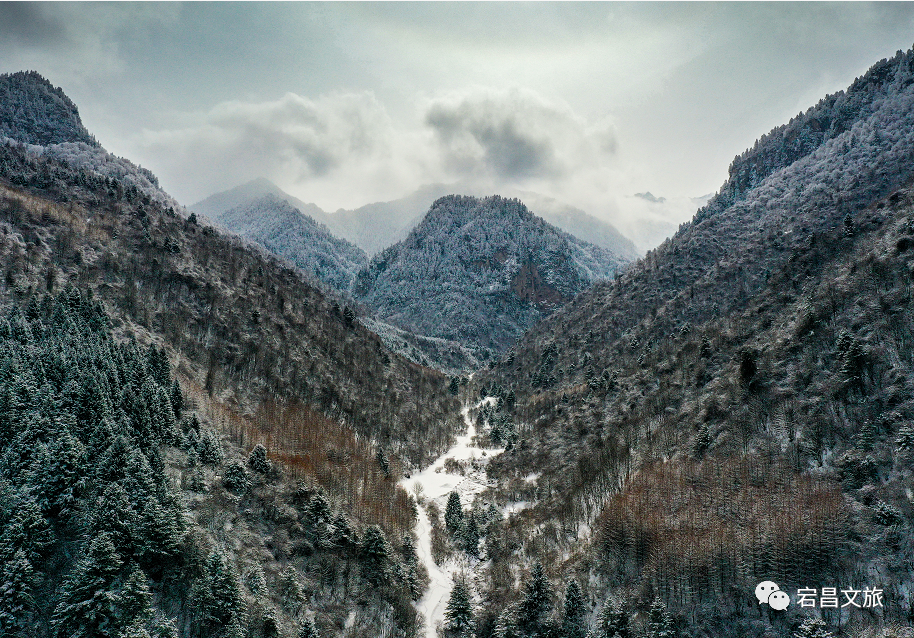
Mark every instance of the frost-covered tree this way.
pixel 375 556
pixel 258 460
pixel 612 622
pixel 659 621
pixel 532 617
pixel 813 628
pixel 453 513
pixel 573 612
pixel 216 596
pixel 17 604
pixel 308 629
pixel 459 611
pixel 89 604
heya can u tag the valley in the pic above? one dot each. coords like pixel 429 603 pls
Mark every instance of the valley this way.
pixel 457 414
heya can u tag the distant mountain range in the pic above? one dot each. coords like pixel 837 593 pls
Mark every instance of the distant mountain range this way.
pixel 374 227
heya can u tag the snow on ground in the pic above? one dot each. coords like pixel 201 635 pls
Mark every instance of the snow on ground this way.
pixel 514 507
pixel 436 484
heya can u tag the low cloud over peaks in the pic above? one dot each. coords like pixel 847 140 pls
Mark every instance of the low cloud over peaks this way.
pixel 515 134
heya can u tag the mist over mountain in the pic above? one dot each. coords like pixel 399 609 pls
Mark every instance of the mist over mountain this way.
pixel 479 271
pixel 216 383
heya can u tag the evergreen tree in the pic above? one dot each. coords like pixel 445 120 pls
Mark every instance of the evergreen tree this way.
pixel 163 627
pixel 28 530
pixel 506 625
pixel 411 563
pixel 532 620
pixel 176 398
pixel 216 598
pixel 258 460
pixel 459 611
pixel 471 536
pixel 235 478
pixel 453 513
pixel 270 624
pixel 308 629
pixel 383 462
pixel 89 602
pixel 375 556
pixel 17 605
pixel 135 598
pixel 659 621
pixel 573 611
pixel 612 622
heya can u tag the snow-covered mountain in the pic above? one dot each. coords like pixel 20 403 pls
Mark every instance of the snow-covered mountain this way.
pixel 286 231
pixel 480 271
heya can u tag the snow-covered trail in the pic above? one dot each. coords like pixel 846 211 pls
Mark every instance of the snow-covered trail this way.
pixel 436 485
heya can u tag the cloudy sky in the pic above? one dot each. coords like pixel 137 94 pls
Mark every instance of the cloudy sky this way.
pixel 347 103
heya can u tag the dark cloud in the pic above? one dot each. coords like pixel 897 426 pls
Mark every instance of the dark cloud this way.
pixel 516 134
pixel 296 137
pixel 29 24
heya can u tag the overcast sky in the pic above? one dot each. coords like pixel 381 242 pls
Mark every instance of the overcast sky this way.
pixel 347 103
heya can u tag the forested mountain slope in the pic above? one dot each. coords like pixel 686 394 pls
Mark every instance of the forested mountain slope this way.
pixel 34 111
pixel 737 405
pixel 284 230
pixel 121 515
pixel 479 271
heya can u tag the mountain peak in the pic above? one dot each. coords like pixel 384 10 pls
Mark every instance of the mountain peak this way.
pixel 34 111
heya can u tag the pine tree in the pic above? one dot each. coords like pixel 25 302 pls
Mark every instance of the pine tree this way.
pixel 135 598
pixel 506 625
pixel 28 530
pixel 375 555
pixel 383 462
pixel 534 609
pixel 216 598
pixel 258 460
pixel 270 624
pixel 659 621
pixel 89 604
pixel 612 622
pixel 573 611
pixel 308 629
pixel 17 580
pixel 453 513
pixel 411 563
pixel 471 536
pixel 459 611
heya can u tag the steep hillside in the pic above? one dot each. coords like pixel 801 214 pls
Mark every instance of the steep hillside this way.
pixel 247 327
pixel 284 230
pixel 736 407
pixel 479 271
pixel 123 513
